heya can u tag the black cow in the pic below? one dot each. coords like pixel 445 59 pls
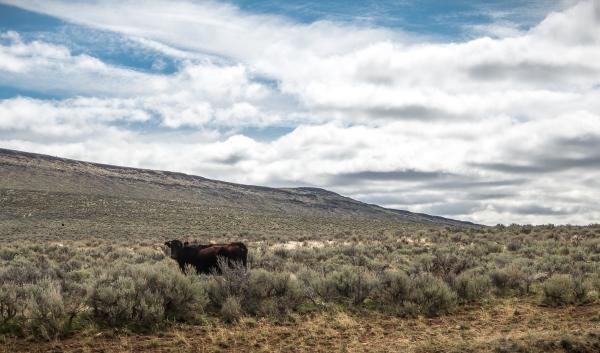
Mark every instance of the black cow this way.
pixel 205 258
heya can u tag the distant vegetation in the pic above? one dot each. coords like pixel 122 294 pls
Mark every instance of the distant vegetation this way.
pixel 52 289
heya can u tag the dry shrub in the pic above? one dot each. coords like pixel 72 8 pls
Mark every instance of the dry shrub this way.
pixel 393 287
pixel 143 296
pixel 348 283
pixel 46 311
pixel 231 310
pixel 471 287
pixel 272 293
pixel 562 289
pixel 432 295
pixel 509 280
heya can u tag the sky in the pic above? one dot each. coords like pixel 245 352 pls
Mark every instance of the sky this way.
pixel 480 111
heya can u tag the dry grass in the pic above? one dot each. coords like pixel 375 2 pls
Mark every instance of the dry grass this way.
pixel 504 326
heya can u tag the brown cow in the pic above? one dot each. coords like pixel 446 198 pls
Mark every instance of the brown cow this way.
pixel 205 258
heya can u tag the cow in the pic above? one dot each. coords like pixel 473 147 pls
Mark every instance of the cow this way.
pixel 205 258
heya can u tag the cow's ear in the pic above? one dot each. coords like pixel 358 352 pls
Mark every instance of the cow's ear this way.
pixel 168 243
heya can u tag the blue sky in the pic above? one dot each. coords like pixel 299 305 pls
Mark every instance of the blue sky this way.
pixel 457 108
pixel 444 20
pixel 438 20
pixel 110 47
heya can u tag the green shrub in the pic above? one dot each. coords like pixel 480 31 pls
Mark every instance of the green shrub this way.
pixel 559 290
pixel 144 296
pixel 114 283
pixel 393 287
pixel 45 310
pixel 11 302
pixel 592 284
pixel 273 292
pixel 510 280
pixel 233 282
pixel 432 295
pixel 471 287
pixel 514 244
pixel 231 310
pixel 349 282
pixel 311 284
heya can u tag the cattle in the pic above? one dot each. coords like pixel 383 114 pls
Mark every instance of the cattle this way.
pixel 205 258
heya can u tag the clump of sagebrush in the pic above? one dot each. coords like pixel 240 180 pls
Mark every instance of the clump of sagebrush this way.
pixel 273 293
pixel 233 282
pixel 36 309
pixel 509 281
pixel 562 289
pixel 432 295
pixel 258 292
pixel 231 309
pixel 472 286
pixel 145 296
pixel 443 264
pixel 349 283
pixel 393 287
pixel 46 309
pixel 11 302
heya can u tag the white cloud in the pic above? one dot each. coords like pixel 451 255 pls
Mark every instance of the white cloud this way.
pixel 502 129
pixel 46 67
pixel 199 94
pixel 72 117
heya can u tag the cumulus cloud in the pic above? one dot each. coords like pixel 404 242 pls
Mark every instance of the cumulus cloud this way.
pixel 492 129
pixel 200 93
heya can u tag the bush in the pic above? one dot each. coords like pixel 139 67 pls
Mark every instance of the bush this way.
pixel 271 293
pixel 231 310
pixel 562 289
pixel 11 302
pixel 592 285
pixel 233 282
pixel 310 282
pixel 349 282
pixel 432 295
pixel 46 311
pixel 393 287
pixel 143 297
pixel 259 292
pixel 509 280
pixel 471 287
pixel 514 245
pixel 39 310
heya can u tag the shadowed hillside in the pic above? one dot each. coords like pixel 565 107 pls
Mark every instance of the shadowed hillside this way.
pixel 39 191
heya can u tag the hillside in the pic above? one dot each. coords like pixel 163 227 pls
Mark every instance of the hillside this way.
pixel 35 186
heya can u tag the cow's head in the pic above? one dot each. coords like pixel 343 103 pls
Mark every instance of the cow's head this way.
pixel 175 246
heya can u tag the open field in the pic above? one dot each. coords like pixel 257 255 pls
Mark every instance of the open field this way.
pixel 87 272
pixel 423 289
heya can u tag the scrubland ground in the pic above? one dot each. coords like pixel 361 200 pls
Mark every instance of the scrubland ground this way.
pixel 90 275
pixel 504 326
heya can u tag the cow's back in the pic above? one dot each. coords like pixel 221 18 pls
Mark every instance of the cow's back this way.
pixel 205 258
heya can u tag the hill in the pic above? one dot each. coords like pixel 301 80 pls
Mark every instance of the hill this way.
pixel 41 187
